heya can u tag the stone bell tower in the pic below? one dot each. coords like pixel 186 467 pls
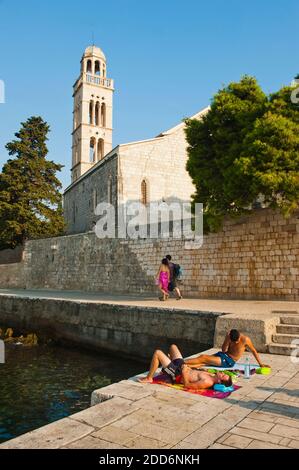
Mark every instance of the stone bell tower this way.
pixel 92 124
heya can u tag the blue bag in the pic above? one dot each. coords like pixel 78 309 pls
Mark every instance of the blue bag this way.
pixel 223 388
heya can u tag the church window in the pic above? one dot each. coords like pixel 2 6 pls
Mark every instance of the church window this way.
pixel 100 149
pixel 103 115
pixel 78 115
pixel 97 68
pixel 75 118
pixel 109 191
pixel 97 114
pixel 89 66
pixel 144 191
pixel 92 150
pixel 94 197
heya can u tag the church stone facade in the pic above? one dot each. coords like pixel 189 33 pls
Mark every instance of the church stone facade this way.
pixel 152 170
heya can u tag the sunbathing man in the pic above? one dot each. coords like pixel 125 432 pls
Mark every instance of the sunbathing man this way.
pixel 174 366
pixel 232 349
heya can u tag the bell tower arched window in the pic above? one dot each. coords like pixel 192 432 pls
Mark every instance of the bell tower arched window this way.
pixel 100 149
pixel 92 150
pixel 103 115
pixel 89 66
pixel 97 114
pixel 91 107
pixel 97 67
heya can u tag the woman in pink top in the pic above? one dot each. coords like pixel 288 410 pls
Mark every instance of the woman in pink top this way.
pixel 163 277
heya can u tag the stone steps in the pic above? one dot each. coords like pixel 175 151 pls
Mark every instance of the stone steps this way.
pixel 282 349
pixel 288 329
pixel 285 338
pixel 289 320
pixel 286 332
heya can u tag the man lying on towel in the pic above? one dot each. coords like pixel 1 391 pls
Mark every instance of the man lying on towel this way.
pixel 179 372
pixel 232 349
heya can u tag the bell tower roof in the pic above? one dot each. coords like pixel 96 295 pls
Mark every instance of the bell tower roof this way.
pixel 94 51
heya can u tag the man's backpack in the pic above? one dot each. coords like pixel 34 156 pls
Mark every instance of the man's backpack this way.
pixel 177 271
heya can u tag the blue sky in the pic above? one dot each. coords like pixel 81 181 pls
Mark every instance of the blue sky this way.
pixel 167 57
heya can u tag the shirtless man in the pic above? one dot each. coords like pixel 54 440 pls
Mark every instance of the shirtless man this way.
pixel 174 366
pixel 232 349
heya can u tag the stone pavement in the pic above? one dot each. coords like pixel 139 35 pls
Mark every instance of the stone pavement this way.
pixel 263 413
pixel 241 307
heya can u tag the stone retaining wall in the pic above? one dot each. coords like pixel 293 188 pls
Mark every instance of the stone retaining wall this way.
pixel 252 257
pixel 12 275
pixel 128 330
pixel 9 256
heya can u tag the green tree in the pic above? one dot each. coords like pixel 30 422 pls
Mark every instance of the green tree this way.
pixel 30 201
pixel 269 163
pixel 245 148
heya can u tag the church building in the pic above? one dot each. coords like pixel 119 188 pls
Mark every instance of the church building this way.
pixel 152 170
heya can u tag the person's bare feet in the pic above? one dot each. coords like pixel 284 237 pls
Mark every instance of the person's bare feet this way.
pixel 145 380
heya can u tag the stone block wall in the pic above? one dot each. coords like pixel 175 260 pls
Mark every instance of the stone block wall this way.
pixel 84 262
pixel 9 255
pixel 161 163
pixel 12 275
pixel 81 199
pixel 255 257
pixel 130 330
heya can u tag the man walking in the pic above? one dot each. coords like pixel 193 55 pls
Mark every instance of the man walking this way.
pixel 173 278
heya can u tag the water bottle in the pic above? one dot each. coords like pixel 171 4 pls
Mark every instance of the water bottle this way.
pixel 247 369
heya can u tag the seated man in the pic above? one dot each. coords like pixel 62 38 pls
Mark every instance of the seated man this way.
pixel 175 367
pixel 232 349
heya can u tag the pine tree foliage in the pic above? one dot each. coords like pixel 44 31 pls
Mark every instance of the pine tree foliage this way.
pixel 30 198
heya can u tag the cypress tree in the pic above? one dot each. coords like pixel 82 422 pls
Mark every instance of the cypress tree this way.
pixel 30 198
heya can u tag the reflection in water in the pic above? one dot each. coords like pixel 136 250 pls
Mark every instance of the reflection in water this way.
pixel 45 383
